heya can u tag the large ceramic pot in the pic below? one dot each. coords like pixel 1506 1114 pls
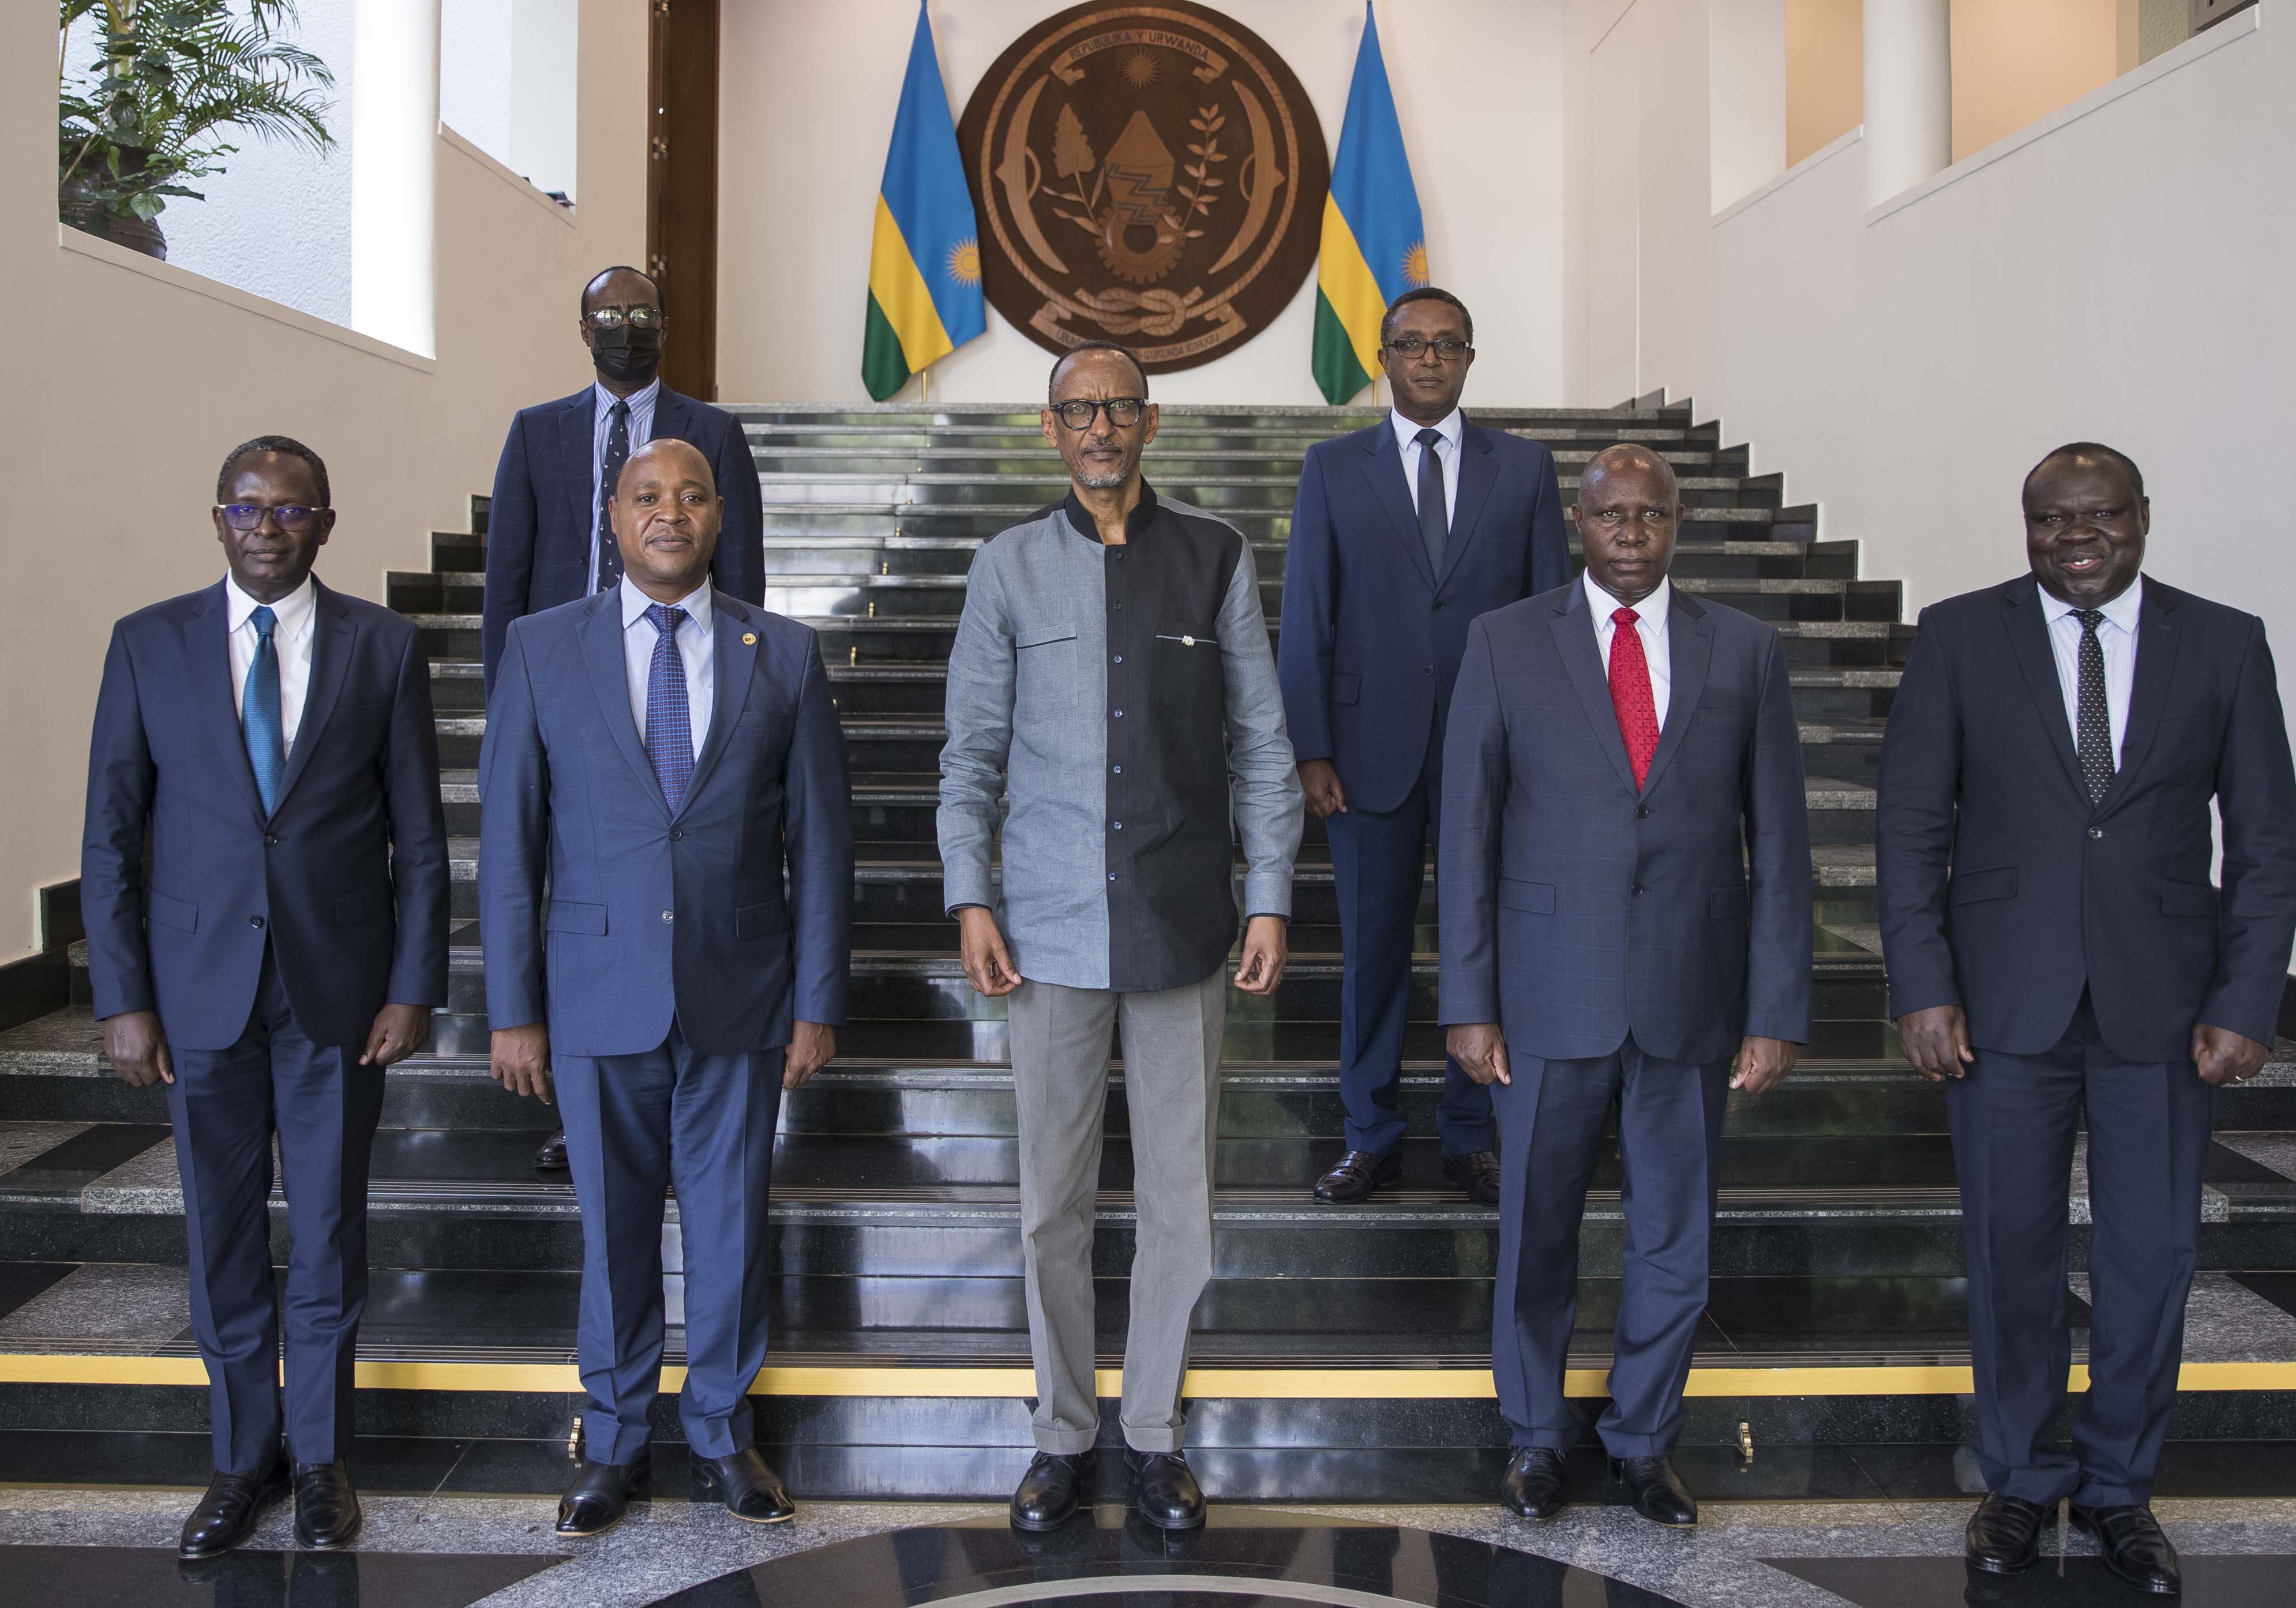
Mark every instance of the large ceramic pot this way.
pixel 74 206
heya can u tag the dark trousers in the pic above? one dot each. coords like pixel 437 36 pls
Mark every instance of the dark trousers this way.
pixel 2013 1119
pixel 1551 1120
pixel 226 1105
pixel 635 1125
pixel 1379 868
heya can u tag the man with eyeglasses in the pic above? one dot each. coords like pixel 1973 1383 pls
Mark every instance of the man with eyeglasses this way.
pixel 548 541
pixel 1403 533
pixel 1112 704
pixel 272 740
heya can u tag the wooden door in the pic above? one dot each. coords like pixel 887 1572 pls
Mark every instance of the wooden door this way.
pixel 682 188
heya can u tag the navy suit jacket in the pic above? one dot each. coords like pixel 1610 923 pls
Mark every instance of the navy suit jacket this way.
pixel 346 881
pixel 1372 636
pixel 1576 911
pixel 539 522
pixel 2005 892
pixel 652 916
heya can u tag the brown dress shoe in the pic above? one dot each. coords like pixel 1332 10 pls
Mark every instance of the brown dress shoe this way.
pixel 1358 1173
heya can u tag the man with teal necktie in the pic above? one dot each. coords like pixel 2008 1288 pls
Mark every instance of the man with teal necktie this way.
pixel 273 740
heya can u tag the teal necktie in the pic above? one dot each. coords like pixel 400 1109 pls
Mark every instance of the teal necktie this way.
pixel 259 713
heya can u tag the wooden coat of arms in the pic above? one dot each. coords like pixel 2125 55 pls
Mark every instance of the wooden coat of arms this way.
pixel 1149 174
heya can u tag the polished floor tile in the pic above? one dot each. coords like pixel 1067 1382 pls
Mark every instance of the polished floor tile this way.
pixel 121 1577
pixel 2075 1582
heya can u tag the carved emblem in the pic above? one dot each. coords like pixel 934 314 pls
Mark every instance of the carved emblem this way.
pixel 1150 174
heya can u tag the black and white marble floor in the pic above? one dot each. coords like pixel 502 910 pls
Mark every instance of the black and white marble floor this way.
pixel 89 1547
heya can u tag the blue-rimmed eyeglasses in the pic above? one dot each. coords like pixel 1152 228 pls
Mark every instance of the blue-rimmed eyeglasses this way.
pixel 249 516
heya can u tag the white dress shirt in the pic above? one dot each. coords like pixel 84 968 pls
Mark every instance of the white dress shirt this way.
pixel 1650 624
pixel 601 423
pixel 294 617
pixel 695 646
pixel 1446 453
pixel 2116 634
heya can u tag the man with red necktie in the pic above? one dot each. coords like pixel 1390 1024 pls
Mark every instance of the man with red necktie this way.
pixel 1626 920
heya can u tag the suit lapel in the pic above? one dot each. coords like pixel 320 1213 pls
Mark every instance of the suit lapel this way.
pixel 578 437
pixel 332 635
pixel 673 419
pixel 602 649
pixel 733 656
pixel 207 648
pixel 1479 471
pixel 1689 654
pixel 1574 639
pixel 1382 468
pixel 2157 642
pixel 2028 642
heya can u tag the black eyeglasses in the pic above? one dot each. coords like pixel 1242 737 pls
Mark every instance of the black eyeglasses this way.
pixel 1409 346
pixel 1123 412
pixel 249 516
pixel 613 318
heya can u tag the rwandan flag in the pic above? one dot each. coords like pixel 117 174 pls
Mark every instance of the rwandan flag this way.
pixel 924 263
pixel 1373 249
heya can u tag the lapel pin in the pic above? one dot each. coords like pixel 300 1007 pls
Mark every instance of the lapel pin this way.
pixel 748 639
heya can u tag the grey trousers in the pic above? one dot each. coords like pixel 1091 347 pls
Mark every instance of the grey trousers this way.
pixel 1171 1039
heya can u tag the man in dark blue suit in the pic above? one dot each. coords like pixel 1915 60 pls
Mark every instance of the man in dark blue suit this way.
pixel 547 538
pixel 656 757
pixel 275 739
pixel 1626 907
pixel 2057 951
pixel 1403 533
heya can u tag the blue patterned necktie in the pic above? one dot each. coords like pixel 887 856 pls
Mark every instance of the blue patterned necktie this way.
pixel 259 713
pixel 1434 516
pixel 669 722
pixel 609 474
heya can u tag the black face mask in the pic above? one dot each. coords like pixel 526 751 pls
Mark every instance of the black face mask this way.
pixel 628 355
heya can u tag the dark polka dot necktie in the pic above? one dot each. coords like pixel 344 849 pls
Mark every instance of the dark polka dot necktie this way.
pixel 618 453
pixel 2092 726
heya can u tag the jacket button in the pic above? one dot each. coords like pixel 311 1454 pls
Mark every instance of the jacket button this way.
pixel 1120 714
pixel 1642 812
pixel 1638 890
pixel 678 835
pixel 1427 669
pixel 2096 831
pixel 272 839
pixel 1438 605
pixel 255 921
pixel 669 915
pixel 1120 825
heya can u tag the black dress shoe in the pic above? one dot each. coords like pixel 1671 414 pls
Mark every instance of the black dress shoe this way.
pixel 230 1511
pixel 2133 1546
pixel 326 1508
pixel 600 1495
pixel 1165 1492
pixel 751 1489
pixel 1656 1491
pixel 1532 1486
pixel 551 1156
pixel 1052 1489
pixel 1358 1173
pixel 1478 1173
pixel 2004 1534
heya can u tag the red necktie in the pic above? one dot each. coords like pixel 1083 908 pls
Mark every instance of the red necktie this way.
pixel 1630 694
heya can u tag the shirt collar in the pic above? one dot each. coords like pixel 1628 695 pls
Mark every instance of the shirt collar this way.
pixel 1406 431
pixel 2122 611
pixel 1081 521
pixel 639 400
pixel 635 603
pixel 1653 608
pixel 290 614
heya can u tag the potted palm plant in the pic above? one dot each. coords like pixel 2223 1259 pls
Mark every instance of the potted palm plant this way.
pixel 168 80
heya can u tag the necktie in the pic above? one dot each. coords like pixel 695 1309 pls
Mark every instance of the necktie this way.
pixel 2093 725
pixel 258 712
pixel 618 453
pixel 1630 694
pixel 1434 520
pixel 670 723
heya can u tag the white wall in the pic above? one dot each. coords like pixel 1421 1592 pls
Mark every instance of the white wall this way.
pixel 807 111
pixel 129 379
pixel 506 79
pixel 2119 277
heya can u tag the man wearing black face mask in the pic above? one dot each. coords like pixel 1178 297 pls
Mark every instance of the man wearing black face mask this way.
pixel 548 539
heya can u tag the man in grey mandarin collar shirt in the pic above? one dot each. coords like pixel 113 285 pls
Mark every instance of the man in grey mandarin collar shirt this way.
pixel 1113 678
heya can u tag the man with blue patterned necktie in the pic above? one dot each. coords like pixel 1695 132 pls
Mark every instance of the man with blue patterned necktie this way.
pixel 656 755
pixel 273 740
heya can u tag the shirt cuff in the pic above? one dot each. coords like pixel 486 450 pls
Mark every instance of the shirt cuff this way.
pixel 964 885
pixel 1268 893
